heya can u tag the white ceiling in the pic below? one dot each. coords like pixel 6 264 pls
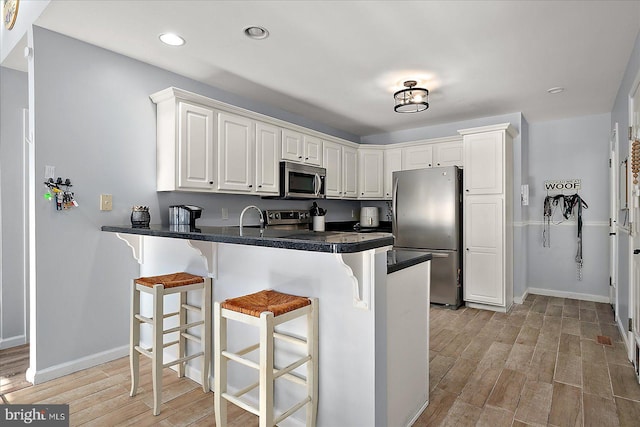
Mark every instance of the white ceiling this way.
pixel 339 62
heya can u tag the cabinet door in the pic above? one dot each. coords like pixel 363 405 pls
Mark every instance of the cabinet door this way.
pixel 370 176
pixel 483 163
pixel 349 172
pixel 448 154
pixel 483 242
pixel 268 141
pixel 196 150
pixel 312 150
pixel 417 157
pixel 235 153
pixel 292 148
pixel 392 163
pixel 332 160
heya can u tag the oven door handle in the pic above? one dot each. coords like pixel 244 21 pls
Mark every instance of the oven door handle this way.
pixel 317 183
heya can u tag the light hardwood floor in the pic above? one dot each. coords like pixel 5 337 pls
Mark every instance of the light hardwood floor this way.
pixel 541 364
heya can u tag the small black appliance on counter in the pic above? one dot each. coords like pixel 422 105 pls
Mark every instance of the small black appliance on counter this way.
pixel 184 215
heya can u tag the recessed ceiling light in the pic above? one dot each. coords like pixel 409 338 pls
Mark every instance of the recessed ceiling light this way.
pixel 555 90
pixel 171 39
pixel 255 32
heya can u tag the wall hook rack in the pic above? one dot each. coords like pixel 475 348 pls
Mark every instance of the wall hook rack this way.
pixel 64 198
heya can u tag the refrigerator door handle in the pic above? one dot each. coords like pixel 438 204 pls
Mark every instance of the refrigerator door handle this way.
pixel 394 204
pixel 439 255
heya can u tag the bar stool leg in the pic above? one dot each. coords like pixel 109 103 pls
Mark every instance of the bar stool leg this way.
pixel 220 366
pixel 182 341
pixel 156 367
pixel 312 365
pixel 266 369
pixel 206 334
pixel 134 339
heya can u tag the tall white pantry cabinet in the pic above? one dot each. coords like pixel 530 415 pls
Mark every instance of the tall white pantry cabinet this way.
pixel 488 216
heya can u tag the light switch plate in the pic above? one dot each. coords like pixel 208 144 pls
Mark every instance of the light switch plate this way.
pixel 106 202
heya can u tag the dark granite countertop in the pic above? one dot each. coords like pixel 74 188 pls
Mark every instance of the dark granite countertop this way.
pixel 327 241
pixel 398 259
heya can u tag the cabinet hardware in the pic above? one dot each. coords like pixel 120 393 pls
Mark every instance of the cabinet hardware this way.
pixel 438 164
pixel 306 158
pixel 299 157
pixel 429 164
pixel 260 186
pixel 250 185
pixel 467 190
pixel 210 182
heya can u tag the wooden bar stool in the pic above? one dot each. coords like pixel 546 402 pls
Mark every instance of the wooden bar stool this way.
pixel 158 287
pixel 266 309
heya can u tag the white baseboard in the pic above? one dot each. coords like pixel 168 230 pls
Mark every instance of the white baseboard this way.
pixel 57 371
pixel 520 300
pixel 562 294
pixel 12 342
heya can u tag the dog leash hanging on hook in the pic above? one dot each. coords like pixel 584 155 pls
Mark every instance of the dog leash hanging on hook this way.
pixel 570 205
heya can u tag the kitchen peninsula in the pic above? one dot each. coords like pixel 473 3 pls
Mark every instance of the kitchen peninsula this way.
pixel 373 302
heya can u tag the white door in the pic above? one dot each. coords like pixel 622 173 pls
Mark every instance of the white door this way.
pixel 292 145
pixel 392 163
pixel 448 154
pixel 634 220
pixel 312 150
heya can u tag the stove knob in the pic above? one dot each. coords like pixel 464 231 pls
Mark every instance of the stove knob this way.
pixel 277 215
pixel 270 215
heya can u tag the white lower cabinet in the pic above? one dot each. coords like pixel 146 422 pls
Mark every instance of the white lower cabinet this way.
pixel 484 250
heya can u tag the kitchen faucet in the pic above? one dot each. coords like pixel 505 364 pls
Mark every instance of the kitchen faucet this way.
pixel 261 218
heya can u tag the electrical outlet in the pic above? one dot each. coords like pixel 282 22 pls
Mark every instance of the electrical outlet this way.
pixel 106 202
pixel 225 213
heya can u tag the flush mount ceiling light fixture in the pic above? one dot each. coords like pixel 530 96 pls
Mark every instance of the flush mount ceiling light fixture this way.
pixel 171 39
pixel 255 32
pixel 411 100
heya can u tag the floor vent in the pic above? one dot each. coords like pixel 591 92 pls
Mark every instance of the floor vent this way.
pixel 603 340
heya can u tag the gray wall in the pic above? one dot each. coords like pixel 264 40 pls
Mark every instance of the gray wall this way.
pixel 13 86
pixel 567 149
pixel 96 125
pixel 620 115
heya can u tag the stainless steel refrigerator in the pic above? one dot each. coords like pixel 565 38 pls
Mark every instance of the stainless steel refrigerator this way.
pixel 427 216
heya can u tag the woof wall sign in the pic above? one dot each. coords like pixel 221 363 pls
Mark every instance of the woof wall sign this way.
pixel 563 184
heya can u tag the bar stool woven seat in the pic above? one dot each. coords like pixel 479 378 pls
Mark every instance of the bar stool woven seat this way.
pixel 158 287
pixel 266 310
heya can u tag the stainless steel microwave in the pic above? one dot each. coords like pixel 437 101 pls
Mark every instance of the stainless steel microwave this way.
pixel 300 181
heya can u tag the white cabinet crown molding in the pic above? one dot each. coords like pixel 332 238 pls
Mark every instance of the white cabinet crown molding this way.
pixel 171 93
pixel 508 127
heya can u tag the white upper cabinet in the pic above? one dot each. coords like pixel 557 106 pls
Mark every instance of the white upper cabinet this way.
pixel 268 141
pixel 332 159
pixel 195 145
pixel 312 150
pixel 392 163
pixel 235 153
pixel 340 161
pixel 371 173
pixel 448 154
pixel 417 157
pixel 299 147
pixel 349 172
pixel 484 163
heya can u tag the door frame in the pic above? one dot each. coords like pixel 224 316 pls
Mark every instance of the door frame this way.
pixel 633 193
pixel 614 177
